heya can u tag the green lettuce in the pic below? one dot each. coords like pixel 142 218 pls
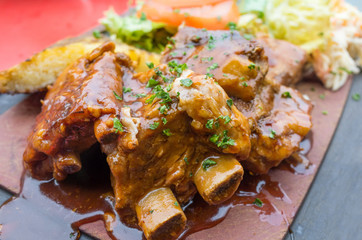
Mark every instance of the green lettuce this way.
pixel 139 32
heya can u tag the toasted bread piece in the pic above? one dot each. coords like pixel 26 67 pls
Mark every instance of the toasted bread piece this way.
pixel 42 69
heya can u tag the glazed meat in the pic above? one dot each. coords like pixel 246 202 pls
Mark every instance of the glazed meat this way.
pixel 82 95
pixel 285 60
pixel 238 65
pixel 172 143
pixel 267 104
pixel 180 128
pixel 278 134
pixel 167 133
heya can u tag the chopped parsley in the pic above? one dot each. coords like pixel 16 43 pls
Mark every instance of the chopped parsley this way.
pixel 356 96
pixel 154 125
pixel 96 34
pixel 212 67
pixel 231 25
pixel 196 56
pixel 225 75
pixel 176 10
pixel 117 96
pixel 163 110
pixel 226 118
pixel 167 132
pixel 164 121
pixel 186 160
pixel 245 84
pixel 150 65
pixel 211 43
pixel 209 123
pixel 160 93
pixel 173 54
pixel 229 102
pixel 176 68
pixel 207 59
pixel 151 211
pixel 258 202
pixel 214 138
pixel 187 82
pixel 176 204
pixel 117 125
pixel 208 163
pixel 286 95
pixel 209 75
pixel 140 95
pixel 222 141
pixel 325 112
pixel 127 90
pixel 152 83
pixel 322 96
pixel 272 134
pixel 251 66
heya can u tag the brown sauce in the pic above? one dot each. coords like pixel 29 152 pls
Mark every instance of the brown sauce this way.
pixel 56 210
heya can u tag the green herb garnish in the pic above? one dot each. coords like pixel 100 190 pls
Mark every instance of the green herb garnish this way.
pixel 127 90
pixel 251 66
pixel 117 96
pixel 229 102
pixel 286 95
pixel 258 202
pixel 209 123
pixel 154 125
pixel 272 134
pixel 356 96
pixel 117 125
pixel 167 132
pixel 208 163
pixel 187 82
pixel 152 83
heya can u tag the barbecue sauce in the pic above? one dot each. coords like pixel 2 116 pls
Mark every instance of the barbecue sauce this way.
pixel 59 210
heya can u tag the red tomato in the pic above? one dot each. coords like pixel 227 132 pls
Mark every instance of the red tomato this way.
pixel 209 14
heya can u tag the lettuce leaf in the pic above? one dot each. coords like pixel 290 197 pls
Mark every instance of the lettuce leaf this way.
pixel 139 32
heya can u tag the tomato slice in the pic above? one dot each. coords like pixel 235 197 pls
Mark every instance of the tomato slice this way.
pixel 210 16
pixel 186 3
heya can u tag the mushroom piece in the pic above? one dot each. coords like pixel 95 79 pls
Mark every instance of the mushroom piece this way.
pixel 160 215
pixel 217 178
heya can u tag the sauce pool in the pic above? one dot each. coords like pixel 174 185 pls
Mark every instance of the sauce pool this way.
pixel 57 210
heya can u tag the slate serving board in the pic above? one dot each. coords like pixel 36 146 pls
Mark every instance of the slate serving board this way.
pixel 243 221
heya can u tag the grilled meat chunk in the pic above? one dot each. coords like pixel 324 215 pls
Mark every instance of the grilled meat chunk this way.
pixel 173 136
pixel 81 96
pixel 257 97
pixel 286 61
pixel 238 65
pixel 277 135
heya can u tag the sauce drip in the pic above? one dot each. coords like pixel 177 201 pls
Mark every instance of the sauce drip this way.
pixel 57 210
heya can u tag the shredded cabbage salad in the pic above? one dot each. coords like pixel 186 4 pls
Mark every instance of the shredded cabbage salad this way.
pixel 329 30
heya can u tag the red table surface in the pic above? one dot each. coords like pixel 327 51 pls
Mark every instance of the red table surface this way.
pixel 28 26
